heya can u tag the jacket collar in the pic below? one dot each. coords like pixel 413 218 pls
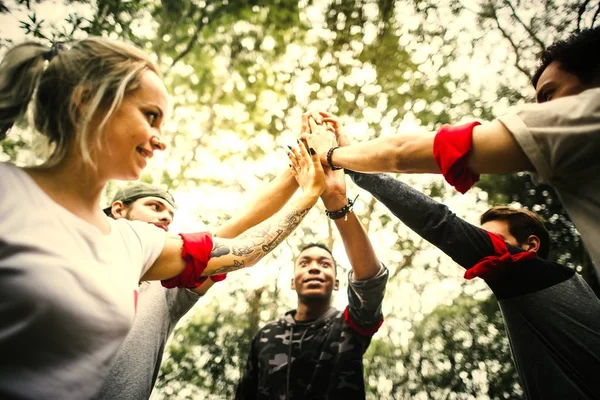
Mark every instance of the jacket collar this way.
pixel 288 318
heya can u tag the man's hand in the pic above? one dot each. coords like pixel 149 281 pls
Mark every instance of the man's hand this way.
pixel 333 124
pixel 318 135
pixel 335 184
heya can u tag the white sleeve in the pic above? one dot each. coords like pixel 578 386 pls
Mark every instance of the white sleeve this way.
pixel 561 138
pixel 152 241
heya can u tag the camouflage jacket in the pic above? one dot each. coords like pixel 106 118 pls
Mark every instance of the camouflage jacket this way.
pixel 326 354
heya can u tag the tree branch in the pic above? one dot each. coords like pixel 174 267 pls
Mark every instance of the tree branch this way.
pixel 369 213
pixel 527 28
pixel 595 15
pixel 191 42
pixel 199 26
pixel 513 44
pixel 580 12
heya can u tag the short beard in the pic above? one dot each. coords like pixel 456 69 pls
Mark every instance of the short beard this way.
pixel 315 299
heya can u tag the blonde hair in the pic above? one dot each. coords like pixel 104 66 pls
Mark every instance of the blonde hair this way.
pixel 94 72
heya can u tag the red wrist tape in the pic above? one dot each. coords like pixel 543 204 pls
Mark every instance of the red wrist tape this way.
pixel 358 329
pixel 218 277
pixel 450 148
pixel 196 253
pixel 491 267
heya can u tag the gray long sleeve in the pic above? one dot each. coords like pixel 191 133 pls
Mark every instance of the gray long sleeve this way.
pixel 365 298
pixel 464 243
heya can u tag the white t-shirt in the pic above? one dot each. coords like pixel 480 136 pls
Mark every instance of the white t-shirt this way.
pixel 67 292
pixel 561 138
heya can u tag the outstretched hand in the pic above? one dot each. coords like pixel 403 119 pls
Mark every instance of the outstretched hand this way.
pixel 307 169
pixel 318 135
pixel 323 131
pixel 335 188
pixel 334 125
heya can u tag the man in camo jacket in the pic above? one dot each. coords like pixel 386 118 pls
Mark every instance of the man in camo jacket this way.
pixel 315 351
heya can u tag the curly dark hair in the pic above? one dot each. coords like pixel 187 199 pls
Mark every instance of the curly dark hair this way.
pixel 578 54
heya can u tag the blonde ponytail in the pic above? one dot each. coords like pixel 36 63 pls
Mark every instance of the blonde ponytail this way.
pixel 20 73
pixel 78 84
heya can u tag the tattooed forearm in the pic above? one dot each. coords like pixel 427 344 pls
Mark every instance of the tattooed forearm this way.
pixel 219 249
pixel 242 250
pixel 259 231
pixel 230 268
pixel 261 246
pixel 246 250
pixel 293 219
pixel 273 243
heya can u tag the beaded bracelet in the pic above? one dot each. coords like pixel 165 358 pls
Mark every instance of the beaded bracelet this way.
pixel 329 162
pixel 342 212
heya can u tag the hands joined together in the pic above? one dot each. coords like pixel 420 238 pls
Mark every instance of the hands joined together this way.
pixel 308 161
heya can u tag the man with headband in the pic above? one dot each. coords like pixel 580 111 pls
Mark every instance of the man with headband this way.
pixel 136 367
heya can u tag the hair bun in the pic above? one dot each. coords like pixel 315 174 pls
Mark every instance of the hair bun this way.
pixel 54 50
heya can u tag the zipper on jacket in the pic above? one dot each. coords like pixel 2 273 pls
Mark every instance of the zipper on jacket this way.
pixel 289 368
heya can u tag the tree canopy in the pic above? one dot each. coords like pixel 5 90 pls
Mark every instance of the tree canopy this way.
pixel 241 72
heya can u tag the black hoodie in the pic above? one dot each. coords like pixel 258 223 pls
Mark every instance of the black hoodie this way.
pixel 326 353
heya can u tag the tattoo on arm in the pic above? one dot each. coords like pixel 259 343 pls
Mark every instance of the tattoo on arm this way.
pixel 230 268
pixel 259 231
pixel 265 238
pixel 219 249
pixel 242 250
pixel 257 242
pixel 271 245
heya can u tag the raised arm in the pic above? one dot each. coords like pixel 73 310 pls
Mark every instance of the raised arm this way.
pixel 245 250
pixel 356 241
pixel 357 244
pixel 495 151
pixel 433 221
pixel 464 243
pixel 263 205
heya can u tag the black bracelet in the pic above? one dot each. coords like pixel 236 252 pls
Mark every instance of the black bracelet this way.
pixel 342 212
pixel 329 162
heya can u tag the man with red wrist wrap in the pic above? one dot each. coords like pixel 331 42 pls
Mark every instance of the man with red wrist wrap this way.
pixel 315 351
pixel 552 317
pixel 558 139
pixel 135 369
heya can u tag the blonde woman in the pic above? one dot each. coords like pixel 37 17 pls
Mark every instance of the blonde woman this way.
pixel 68 274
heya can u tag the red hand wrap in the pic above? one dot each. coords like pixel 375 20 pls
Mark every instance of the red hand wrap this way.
pixel 196 253
pixel 358 329
pixel 218 277
pixel 492 266
pixel 450 148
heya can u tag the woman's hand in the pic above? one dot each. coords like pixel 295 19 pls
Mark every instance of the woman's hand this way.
pixel 307 169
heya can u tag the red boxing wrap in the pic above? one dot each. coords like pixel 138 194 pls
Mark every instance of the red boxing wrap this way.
pixel 450 148
pixel 196 253
pixel 218 277
pixel 358 329
pixel 492 266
